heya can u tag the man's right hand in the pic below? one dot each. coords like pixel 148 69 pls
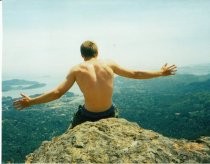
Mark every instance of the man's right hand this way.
pixel 24 102
pixel 168 70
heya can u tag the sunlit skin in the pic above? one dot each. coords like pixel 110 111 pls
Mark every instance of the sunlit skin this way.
pixel 95 79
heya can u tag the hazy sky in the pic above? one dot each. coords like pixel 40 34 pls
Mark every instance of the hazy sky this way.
pixel 43 36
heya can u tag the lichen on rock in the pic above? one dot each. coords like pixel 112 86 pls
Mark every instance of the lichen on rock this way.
pixel 118 141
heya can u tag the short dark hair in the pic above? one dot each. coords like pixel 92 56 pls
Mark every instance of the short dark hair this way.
pixel 89 49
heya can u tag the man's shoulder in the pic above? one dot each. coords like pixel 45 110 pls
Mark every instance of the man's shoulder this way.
pixel 82 65
pixel 109 62
pixel 75 68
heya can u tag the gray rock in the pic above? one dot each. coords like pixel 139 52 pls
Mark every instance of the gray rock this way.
pixel 118 141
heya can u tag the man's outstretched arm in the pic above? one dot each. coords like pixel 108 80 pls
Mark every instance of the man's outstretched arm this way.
pixel 56 93
pixel 164 71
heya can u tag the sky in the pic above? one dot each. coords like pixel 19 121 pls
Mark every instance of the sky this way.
pixel 43 37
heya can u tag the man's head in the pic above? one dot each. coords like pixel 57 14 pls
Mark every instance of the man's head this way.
pixel 88 49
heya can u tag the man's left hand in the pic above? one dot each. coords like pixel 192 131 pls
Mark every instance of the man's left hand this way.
pixel 168 70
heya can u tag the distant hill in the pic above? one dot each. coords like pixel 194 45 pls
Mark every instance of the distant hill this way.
pixel 19 84
pixel 201 69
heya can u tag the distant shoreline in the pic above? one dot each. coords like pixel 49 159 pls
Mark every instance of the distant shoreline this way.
pixel 20 84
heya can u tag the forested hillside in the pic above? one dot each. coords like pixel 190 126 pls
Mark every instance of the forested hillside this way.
pixel 176 106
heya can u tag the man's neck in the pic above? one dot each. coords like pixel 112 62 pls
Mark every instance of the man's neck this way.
pixel 89 59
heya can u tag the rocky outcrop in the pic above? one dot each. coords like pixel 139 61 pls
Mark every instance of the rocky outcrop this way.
pixel 118 141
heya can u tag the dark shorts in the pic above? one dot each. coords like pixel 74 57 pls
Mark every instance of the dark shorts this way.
pixel 83 115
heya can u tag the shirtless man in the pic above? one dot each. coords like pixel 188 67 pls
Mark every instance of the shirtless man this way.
pixel 95 79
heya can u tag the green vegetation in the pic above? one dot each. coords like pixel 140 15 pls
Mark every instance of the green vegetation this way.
pixel 177 106
pixel 23 131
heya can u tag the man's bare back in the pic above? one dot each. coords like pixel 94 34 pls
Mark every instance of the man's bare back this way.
pixel 95 79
